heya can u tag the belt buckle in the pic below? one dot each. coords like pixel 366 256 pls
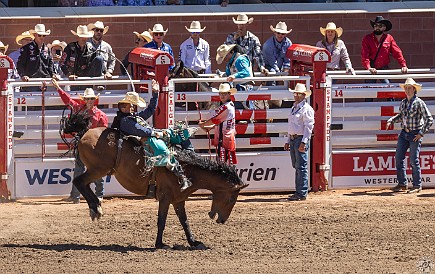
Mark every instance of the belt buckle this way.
pixel 407 130
pixel 293 136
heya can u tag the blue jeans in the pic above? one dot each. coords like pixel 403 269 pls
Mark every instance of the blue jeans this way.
pixel 300 164
pixel 79 169
pixel 404 142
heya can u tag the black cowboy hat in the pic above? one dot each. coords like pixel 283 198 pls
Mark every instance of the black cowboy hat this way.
pixel 382 20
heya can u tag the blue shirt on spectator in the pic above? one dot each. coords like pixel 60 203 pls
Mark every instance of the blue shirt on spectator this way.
pixel 165 47
pixel 274 54
pixel 135 3
pixel 95 3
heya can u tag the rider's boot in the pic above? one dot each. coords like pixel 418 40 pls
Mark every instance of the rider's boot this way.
pixel 182 179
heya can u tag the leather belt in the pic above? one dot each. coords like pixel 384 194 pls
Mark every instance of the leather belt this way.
pixel 294 136
pixel 407 130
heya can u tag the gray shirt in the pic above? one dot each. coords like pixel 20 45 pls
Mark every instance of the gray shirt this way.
pixel 338 53
pixel 105 50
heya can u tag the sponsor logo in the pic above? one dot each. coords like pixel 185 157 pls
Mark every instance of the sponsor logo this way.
pixel 302 52
pixel 52 176
pixel 257 174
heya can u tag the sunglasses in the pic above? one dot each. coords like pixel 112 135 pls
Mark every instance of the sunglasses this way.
pixel 195 32
pixel 98 30
pixel 158 34
pixel 39 35
pixel 378 25
pixel 86 99
pixel 138 40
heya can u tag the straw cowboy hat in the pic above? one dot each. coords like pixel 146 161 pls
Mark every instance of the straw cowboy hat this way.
pixel 40 29
pixel 242 19
pixel 158 28
pixel 331 26
pixel 23 35
pixel 195 26
pixel 144 35
pixel 224 88
pixel 57 43
pixel 132 97
pixel 382 20
pixel 2 46
pixel 281 27
pixel 300 88
pixel 89 93
pixel 222 51
pixel 98 25
pixel 411 82
pixel 83 31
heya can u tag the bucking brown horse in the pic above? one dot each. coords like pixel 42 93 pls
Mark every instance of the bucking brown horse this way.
pixel 98 150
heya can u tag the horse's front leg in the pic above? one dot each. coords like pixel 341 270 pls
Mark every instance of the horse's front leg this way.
pixel 180 210
pixel 82 183
pixel 161 223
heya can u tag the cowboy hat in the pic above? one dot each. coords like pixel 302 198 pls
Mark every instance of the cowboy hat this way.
pixel 40 29
pixel 281 27
pixel 23 35
pixel 380 19
pixel 158 28
pixel 132 97
pixel 98 25
pixel 242 19
pixel 57 43
pixel 331 26
pixel 83 31
pixel 224 88
pixel 222 51
pixel 89 93
pixel 195 26
pixel 411 82
pixel 4 47
pixel 300 88
pixel 144 35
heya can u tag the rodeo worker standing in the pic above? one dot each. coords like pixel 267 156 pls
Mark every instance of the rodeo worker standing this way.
pixel 415 119
pixel 300 127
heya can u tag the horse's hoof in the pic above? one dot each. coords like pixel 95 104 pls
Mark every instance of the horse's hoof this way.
pixel 96 214
pixel 198 246
pixel 163 246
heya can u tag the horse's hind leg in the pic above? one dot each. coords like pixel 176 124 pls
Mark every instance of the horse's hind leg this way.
pixel 180 210
pixel 82 183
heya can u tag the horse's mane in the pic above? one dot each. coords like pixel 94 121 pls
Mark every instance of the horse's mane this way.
pixel 222 169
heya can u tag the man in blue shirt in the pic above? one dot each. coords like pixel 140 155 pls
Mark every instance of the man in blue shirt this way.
pixel 275 48
pixel 158 34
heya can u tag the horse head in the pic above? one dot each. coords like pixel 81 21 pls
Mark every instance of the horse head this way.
pixel 180 71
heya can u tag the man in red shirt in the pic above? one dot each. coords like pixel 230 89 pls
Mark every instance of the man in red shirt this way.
pixel 377 47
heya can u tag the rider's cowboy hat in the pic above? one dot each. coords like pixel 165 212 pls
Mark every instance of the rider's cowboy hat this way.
pixel 2 46
pixel 331 26
pixel 224 88
pixel 222 51
pixel 195 26
pixel 380 19
pixel 132 97
pixel 411 82
pixel 23 35
pixel 300 88
pixel 242 19
pixel 158 28
pixel 98 25
pixel 281 27
pixel 57 43
pixel 40 29
pixel 83 31
pixel 89 93
pixel 144 35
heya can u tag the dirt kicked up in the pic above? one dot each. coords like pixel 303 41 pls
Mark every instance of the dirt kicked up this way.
pixel 351 231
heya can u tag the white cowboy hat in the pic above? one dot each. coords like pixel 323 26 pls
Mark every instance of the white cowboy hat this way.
pixel 57 43
pixel 2 46
pixel 242 19
pixel 98 25
pixel 195 26
pixel 158 28
pixel 133 97
pixel 144 35
pixel 23 35
pixel 89 93
pixel 222 51
pixel 224 88
pixel 331 26
pixel 300 88
pixel 281 27
pixel 83 31
pixel 40 29
pixel 411 82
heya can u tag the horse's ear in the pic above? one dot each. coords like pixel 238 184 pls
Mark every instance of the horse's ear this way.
pixel 181 64
pixel 240 187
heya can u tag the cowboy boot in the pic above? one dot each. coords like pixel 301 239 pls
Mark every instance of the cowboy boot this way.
pixel 182 179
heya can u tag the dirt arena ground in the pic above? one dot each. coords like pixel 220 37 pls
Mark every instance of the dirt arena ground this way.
pixel 352 231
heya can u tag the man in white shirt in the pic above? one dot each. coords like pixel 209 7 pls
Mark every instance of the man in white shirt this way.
pixel 195 51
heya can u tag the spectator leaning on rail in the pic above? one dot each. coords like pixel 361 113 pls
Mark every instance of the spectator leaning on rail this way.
pixel 377 47
pixel 224 124
pixel 104 52
pixel 140 39
pixel 248 41
pixel 57 47
pixel 97 119
pixel 195 51
pixel 331 42
pixel 300 128
pixel 21 40
pixel 415 120
pixel 158 34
